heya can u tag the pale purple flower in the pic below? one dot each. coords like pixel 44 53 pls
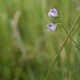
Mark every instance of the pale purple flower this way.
pixel 51 27
pixel 53 13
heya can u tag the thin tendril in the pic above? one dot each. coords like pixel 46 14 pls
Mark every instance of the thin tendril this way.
pixel 69 35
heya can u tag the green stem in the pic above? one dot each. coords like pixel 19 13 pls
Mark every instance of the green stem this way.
pixel 70 36
pixel 54 61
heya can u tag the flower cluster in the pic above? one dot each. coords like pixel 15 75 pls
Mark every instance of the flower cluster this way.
pixel 52 13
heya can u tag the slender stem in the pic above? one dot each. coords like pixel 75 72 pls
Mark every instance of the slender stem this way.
pixel 70 36
pixel 54 61
pixel 68 33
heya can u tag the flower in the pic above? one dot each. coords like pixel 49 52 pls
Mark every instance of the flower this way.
pixel 51 27
pixel 53 13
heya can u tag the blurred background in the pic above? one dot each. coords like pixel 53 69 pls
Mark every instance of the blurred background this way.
pixel 26 47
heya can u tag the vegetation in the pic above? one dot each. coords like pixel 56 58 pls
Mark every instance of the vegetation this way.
pixel 28 51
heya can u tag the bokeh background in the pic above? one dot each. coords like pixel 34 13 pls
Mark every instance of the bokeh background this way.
pixel 26 47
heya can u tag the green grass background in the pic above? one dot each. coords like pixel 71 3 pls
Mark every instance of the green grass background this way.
pixel 37 44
